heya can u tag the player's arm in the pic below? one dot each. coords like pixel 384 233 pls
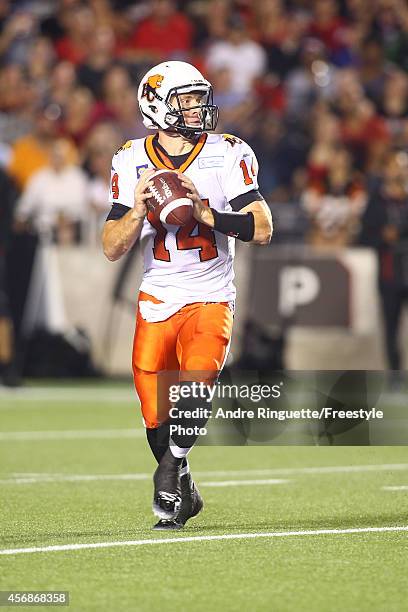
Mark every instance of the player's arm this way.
pixel 263 225
pixel 252 223
pixel 119 235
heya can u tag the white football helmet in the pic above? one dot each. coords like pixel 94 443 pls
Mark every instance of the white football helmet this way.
pixel 169 79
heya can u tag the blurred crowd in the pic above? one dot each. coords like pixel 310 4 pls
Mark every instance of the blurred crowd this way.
pixel 318 88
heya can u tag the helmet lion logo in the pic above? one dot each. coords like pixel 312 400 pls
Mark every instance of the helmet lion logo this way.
pixel 155 81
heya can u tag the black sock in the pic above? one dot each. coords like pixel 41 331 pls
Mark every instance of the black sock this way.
pixel 195 400
pixel 158 439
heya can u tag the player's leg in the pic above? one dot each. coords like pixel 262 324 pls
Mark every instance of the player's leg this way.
pixel 154 352
pixel 204 333
pixel 202 348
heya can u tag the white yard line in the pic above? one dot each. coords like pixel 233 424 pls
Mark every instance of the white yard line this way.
pixel 329 469
pixel 233 536
pixel 66 394
pixel 126 394
pixel 44 478
pixel 396 488
pixel 34 478
pixel 243 483
pixel 74 434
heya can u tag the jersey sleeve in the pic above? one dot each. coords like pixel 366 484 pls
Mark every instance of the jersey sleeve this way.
pixel 241 174
pixel 123 178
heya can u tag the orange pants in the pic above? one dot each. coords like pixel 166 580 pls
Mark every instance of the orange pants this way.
pixel 191 344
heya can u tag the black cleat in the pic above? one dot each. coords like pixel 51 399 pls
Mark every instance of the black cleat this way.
pixel 167 487
pixel 191 500
pixel 166 525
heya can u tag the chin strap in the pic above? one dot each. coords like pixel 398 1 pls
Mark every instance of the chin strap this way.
pixel 185 133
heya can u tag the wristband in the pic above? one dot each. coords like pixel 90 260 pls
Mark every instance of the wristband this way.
pixel 235 224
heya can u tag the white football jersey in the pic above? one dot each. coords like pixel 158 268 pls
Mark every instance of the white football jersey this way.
pixel 192 263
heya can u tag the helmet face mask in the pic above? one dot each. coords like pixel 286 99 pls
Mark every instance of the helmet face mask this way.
pixel 161 102
pixel 208 112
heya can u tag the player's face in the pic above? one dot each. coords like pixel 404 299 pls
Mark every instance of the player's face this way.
pixel 190 104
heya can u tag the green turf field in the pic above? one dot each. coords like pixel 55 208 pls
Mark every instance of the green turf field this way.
pixel 75 469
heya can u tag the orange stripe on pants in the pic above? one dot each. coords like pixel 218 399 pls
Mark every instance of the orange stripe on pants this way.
pixel 189 345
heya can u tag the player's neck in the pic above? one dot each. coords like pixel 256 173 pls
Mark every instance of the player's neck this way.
pixel 175 144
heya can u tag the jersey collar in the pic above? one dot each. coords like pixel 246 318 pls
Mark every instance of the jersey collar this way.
pixel 160 160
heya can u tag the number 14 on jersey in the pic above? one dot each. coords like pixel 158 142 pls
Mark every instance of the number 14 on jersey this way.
pixel 204 239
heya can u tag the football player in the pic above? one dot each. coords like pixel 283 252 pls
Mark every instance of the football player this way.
pixel 185 307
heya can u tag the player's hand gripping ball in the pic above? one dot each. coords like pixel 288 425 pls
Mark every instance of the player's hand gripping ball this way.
pixel 169 202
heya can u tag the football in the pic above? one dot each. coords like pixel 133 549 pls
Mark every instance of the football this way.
pixel 169 202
